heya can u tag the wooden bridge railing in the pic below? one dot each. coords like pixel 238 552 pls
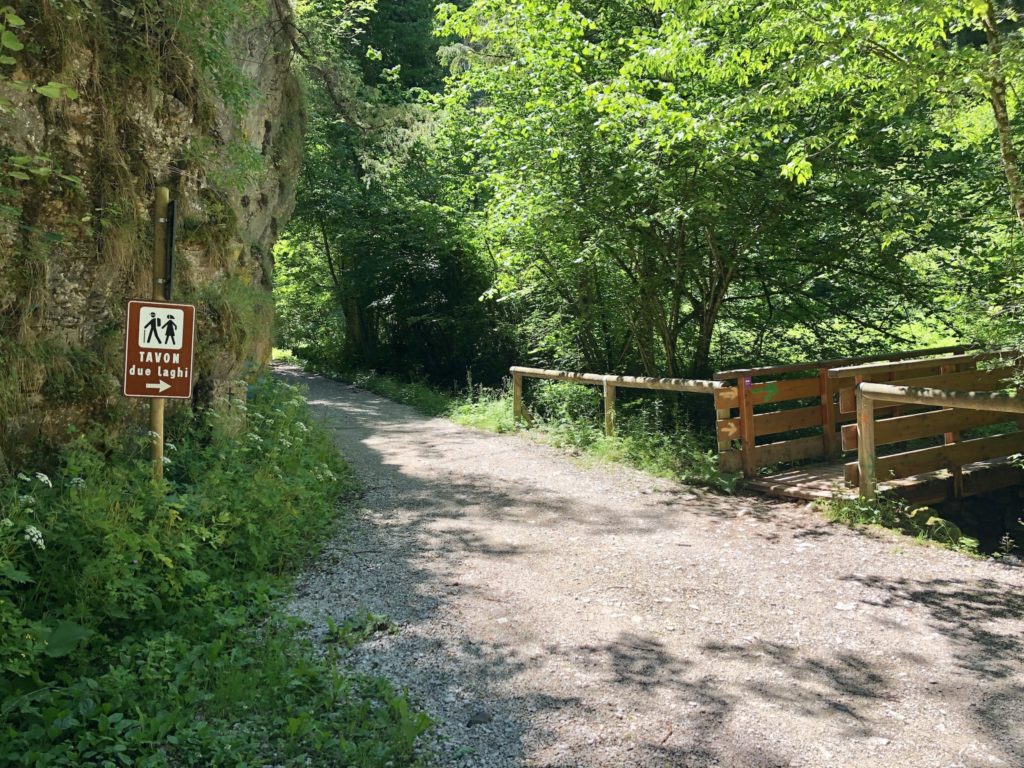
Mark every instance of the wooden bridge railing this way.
pixel 799 408
pixel 808 411
pixel 947 372
pixel 608 383
pixel 958 410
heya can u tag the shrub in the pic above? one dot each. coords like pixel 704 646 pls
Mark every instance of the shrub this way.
pixel 566 402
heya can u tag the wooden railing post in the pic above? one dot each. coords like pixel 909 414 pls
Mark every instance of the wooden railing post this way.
pixel 866 444
pixel 609 409
pixel 949 438
pixel 830 442
pixel 517 397
pixel 746 406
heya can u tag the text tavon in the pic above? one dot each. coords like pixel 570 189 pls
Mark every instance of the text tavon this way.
pixel 160 358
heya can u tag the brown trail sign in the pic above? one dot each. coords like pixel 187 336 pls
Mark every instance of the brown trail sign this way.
pixel 159 340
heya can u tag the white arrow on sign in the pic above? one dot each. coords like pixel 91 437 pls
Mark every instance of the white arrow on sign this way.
pixel 163 386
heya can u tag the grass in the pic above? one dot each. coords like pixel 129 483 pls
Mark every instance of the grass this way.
pixel 279 355
pixel 424 398
pixel 569 416
pixel 486 409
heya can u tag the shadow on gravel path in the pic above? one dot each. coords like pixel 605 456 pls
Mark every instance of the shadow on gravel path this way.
pixel 554 614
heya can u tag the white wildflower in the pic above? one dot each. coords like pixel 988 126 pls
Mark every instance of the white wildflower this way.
pixel 254 437
pixel 23 477
pixel 44 479
pixel 170 447
pixel 34 537
pixel 300 426
pixel 78 482
pixel 6 523
pixel 28 500
pixel 323 473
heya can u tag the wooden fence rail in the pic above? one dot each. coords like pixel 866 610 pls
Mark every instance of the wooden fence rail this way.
pixel 952 455
pixel 609 385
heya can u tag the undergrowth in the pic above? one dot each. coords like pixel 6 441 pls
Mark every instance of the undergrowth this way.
pixel 140 622
pixel 896 514
pixel 570 416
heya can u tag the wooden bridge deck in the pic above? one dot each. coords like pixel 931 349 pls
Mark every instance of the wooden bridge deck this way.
pixel 825 481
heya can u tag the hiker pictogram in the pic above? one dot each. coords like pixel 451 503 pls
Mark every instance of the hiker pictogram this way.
pixel 159 327
pixel 152 328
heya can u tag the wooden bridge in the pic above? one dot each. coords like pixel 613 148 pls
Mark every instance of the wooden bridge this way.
pixel 927 425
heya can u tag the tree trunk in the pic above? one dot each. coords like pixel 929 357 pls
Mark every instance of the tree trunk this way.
pixel 997 97
pixel 356 336
pixel 720 276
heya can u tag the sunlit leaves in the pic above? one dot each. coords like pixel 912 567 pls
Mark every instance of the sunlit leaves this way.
pixel 799 169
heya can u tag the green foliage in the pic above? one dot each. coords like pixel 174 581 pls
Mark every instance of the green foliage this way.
pixel 307 316
pixel 559 402
pixel 377 271
pixel 228 167
pixel 234 325
pixel 635 227
pixel 141 622
pixel 894 513
pixel 29 167
pixel 667 188
pixel 649 435
pixel 870 60
pixel 358 628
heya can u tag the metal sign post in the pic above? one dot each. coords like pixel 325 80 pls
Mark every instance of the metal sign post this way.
pixel 156 408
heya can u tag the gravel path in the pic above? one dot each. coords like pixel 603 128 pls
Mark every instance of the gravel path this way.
pixel 555 614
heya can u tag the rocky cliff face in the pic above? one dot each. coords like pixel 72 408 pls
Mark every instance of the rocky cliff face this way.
pixel 210 109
